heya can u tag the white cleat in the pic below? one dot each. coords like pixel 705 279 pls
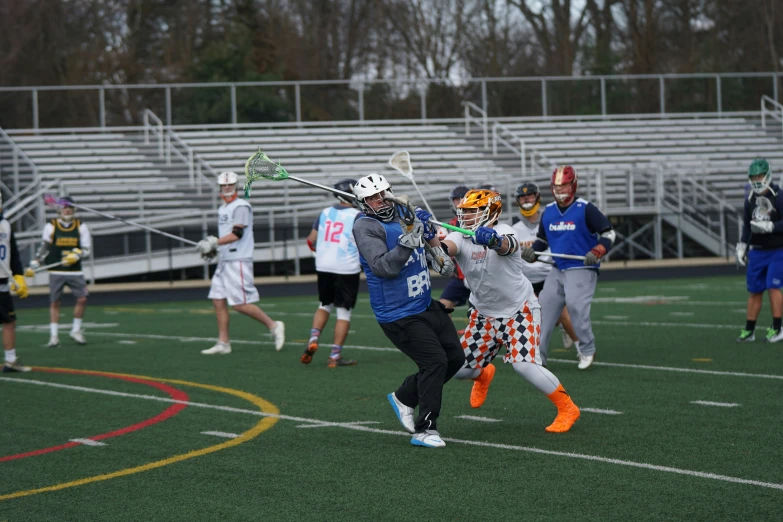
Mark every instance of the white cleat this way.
pixel 78 336
pixel 567 341
pixel 773 336
pixel 279 335
pixel 54 342
pixel 404 413
pixel 219 349
pixel 585 361
pixel 428 439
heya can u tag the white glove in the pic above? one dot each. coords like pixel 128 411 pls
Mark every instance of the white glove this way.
pixel 762 227
pixel 412 239
pixel 742 253
pixel 207 246
pixel 34 265
pixel 448 264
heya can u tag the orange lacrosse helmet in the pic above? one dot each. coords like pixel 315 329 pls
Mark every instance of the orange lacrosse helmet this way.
pixel 478 208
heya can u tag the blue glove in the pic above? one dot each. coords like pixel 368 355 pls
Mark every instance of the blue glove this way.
pixel 487 237
pixel 429 229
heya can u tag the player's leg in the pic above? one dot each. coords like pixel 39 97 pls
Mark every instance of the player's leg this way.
pixel 346 288
pixel 8 320
pixel 579 289
pixel 78 286
pixel 223 320
pixel 774 282
pixel 322 314
pixel 56 285
pixel 218 294
pixel 756 282
pixel 242 295
pixel 479 352
pixel 569 335
pixel 552 299
pixel 521 352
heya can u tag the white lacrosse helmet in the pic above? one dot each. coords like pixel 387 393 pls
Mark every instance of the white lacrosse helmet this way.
pixel 228 186
pixel 369 186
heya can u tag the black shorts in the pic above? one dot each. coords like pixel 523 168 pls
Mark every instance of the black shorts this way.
pixel 456 292
pixel 537 287
pixel 338 289
pixel 7 312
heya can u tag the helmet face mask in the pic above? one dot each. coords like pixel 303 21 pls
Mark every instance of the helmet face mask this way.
pixel 564 184
pixel 479 208
pixel 66 213
pixel 370 192
pixel 760 175
pixel 228 186
pixel 528 199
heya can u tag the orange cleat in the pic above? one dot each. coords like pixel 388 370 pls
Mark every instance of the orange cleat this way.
pixel 566 417
pixel 307 356
pixel 481 386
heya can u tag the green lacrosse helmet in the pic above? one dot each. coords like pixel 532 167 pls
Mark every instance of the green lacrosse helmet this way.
pixel 758 167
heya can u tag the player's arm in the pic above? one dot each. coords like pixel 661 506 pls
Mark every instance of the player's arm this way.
pixel 747 212
pixel 16 260
pixel 312 237
pixel 85 240
pixel 241 218
pixel 539 245
pixel 598 223
pixel 370 237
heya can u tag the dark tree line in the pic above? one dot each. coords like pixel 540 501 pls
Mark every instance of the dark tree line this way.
pixel 113 42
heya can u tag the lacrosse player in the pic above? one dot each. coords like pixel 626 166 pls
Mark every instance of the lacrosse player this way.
pixel 570 225
pixel 503 309
pixel 456 292
pixel 392 254
pixel 65 240
pixel 11 265
pixel 525 228
pixel 337 266
pixel 232 282
pixel 762 229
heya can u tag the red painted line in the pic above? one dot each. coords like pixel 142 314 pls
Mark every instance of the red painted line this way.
pixel 172 410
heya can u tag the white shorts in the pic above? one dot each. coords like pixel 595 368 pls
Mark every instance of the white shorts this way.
pixel 233 280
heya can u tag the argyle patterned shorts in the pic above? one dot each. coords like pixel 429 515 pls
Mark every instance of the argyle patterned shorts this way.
pixel 484 336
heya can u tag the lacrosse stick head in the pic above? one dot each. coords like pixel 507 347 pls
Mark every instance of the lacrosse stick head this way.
pixel 64 206
pixel 259 166
pixel 401 162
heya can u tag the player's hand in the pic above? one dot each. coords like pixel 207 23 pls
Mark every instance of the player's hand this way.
pixel 207 246
pixel 72 257
pixel 20 286
pixel 762 227
pixel 594 256
pixel 35 265
pixel 429 229
pixel 442 262
pixel 487 237
pixel 411 238
pixel 529 255
pixel 742 253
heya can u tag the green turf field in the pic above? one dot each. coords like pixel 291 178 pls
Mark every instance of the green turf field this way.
pixel 336 450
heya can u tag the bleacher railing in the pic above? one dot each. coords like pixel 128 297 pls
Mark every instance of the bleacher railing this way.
pixel 776 112
pixel 18 192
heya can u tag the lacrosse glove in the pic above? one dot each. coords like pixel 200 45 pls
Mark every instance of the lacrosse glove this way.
pixel 429 229
pixel 411 237
pixel 72 257
pixel 762 227
pixel 594 256
pixel 529 255
pixel 742 253
pixel 444 265
pixel 487 237
pixel 207 247
pixel 20 286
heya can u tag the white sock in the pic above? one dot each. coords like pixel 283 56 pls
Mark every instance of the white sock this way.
pixel 466 372
pixel 10 355
pixel 538 376
pixel 77 325
pixel 53 329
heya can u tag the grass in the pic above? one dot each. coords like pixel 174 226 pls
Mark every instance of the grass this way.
pixel 370 471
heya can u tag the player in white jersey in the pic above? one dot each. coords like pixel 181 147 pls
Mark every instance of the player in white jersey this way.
pixel 525 227
pixel 10 277
pixel 232 283
pixel 503 311
pixel 337 265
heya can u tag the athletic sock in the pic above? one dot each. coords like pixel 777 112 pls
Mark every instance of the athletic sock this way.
pixel 53 329
pixel 466 372
pixel 337 351
pixel 77 325
pixel 560 398
pixel 10 355
pixel 776 323
pixel 750 325
pixel 315 333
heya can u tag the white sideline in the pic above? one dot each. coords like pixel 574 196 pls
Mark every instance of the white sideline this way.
pixel 597 410
pixel 88 442
pixel 474 418
pixel 351 426
pixel 710 403
pixel 386 349
pixel 223 434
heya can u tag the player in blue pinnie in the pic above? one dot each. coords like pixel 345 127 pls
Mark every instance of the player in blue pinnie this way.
pixel 392 254
pixel 761 247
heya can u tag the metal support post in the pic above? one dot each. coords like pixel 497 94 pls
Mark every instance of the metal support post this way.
pixel 233 104
pixel 102 107
pixel 361 103
pixel 543 99
pixel 297 267
pixel 298 102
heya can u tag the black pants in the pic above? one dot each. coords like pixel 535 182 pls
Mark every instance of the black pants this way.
pixel 430 339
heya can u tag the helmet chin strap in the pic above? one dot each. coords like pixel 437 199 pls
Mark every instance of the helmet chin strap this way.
pixel 232 197
pixel 532 211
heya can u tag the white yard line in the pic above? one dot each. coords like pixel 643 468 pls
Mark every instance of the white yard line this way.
pixel 615 317
pixel 335 424
pixel 604 412
pixel 223 434
pixel 88 442
pixel 681 314
pixel 721 404
pixel 474 418
pixel 539 451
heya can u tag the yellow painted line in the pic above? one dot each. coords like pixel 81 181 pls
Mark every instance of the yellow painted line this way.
pixel 701 359
pixel 263 425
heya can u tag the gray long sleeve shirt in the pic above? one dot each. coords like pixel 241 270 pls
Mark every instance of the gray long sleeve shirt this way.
pixel 370 237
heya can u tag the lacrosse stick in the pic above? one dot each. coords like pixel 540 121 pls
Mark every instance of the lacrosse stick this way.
pixel 407 216
pixel 53 201
pixel 29 272
pixel 401 162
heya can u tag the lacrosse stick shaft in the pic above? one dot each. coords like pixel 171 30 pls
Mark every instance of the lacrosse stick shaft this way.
pixel 47 267
pixel 563 256
pixel 323 187
pixel 422 198
pixel 453 228
pixel 139 225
